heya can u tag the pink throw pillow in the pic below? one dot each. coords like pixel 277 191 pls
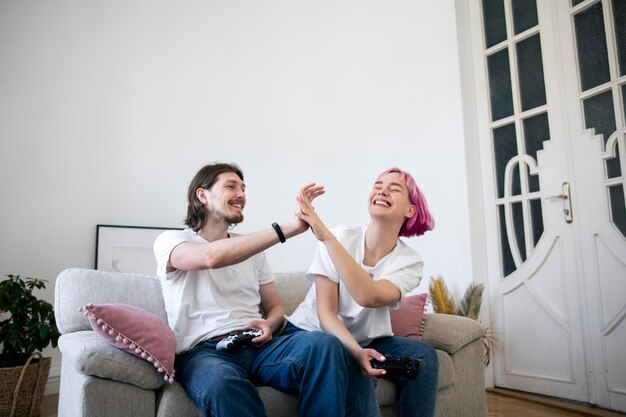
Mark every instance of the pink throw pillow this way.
pixel 408 319
pixel 136 331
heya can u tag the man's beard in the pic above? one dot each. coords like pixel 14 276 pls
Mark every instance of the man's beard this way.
pixel 232 219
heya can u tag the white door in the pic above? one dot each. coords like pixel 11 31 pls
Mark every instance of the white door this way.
pixel 550 82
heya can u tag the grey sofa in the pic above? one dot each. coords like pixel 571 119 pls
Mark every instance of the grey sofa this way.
pixel 98 379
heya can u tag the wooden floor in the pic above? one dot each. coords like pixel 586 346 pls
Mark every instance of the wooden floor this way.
pixel 507 403
pixel 500 403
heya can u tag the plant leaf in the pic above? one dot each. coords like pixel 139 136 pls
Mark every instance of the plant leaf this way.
pixel 472 300
pixel 28 323
pixel 440 296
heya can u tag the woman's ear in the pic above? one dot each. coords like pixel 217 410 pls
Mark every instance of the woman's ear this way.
pixel 410 211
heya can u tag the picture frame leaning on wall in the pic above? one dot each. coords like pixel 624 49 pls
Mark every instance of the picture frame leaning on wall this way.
pixel 127 248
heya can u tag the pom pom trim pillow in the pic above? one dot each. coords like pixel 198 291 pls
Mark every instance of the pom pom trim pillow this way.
pixel 408 319
pixel 135 331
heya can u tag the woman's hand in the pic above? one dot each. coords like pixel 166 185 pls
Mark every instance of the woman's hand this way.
pixel 310 192
pixel 363 358
pixel 306 213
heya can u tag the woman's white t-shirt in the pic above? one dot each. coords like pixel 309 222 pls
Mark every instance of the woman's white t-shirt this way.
pixel 402 267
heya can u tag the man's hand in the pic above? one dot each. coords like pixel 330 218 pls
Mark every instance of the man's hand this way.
pixel 264 327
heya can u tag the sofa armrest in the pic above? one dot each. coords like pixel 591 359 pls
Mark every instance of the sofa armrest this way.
pixel 450 333
pixel 90 355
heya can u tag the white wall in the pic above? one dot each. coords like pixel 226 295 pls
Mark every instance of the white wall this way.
pixel 107 109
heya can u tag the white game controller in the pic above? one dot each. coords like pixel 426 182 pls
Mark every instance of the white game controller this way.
pixel 238 339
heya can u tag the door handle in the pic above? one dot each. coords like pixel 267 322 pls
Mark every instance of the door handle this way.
pixel 566 197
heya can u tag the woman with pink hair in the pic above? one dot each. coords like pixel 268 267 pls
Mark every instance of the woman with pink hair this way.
pixel 359 273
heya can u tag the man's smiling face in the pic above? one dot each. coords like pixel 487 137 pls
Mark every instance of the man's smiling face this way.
pixel 227 198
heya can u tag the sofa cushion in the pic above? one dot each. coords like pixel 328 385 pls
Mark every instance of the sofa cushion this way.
pixel 385 392
pixel 408 319
pixel 137 332
pixel 172 400
pixel 278 403
pixel 91 355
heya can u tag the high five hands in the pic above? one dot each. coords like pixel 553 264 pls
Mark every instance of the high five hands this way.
pixel 306 212
pixel 309 192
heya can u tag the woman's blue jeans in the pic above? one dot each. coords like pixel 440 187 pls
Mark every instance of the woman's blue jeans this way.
pixel 309 364
pixel 414 397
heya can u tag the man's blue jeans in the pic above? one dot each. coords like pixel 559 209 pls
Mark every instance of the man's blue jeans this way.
pixel 414 397
pixel 309 364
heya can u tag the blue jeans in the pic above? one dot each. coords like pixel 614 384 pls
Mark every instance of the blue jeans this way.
pixel 310 364
pixel 414 397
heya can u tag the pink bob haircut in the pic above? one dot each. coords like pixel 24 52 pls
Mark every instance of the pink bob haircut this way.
pixel 422 221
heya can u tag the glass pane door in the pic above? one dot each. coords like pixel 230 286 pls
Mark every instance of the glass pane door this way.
pixel 519 123
pixel 601 58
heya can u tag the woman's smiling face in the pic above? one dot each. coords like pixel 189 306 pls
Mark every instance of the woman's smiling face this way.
pixel 390 197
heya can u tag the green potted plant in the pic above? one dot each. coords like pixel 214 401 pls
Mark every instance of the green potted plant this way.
pixel 27 326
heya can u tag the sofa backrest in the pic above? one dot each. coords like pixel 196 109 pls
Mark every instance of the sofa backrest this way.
pixel 76 287
pixel 293 287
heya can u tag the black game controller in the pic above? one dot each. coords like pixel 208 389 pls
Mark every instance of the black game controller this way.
pixel 400 367
pixel 238 339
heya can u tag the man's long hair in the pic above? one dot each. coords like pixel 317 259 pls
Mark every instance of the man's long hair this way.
pixel 205 178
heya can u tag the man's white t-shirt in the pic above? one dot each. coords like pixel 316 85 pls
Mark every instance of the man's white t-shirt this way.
pixel 402 267
pixel 210 302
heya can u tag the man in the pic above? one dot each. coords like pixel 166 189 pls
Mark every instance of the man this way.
pixel 214 283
